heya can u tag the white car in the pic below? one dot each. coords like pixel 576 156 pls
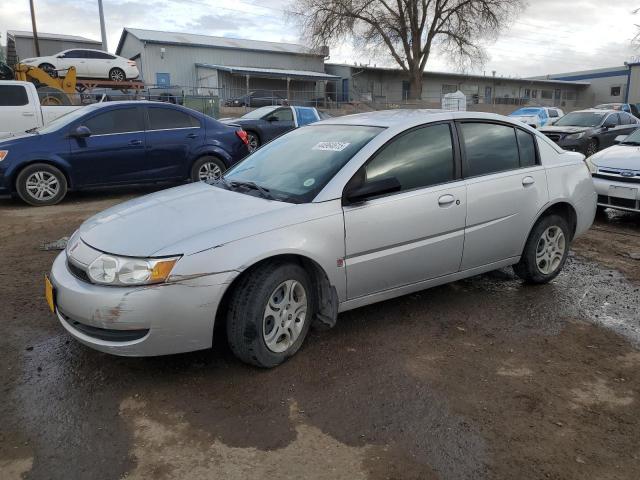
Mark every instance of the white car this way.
pixel 89 64
pixel 554 114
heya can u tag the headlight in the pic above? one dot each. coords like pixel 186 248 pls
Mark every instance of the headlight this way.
pixel 3 154
pixel 575 136
pixel 593 168
pixel 114 270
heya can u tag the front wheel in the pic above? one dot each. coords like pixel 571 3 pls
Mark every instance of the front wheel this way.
pixel 50 69
pixel 253 141
pixel 592 148
pixel 546 250
pixel 41 184
pixel 269 314
pixel 207 169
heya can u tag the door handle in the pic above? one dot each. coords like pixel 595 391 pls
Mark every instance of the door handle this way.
pixel 445 200
pixel 192 135
pixel 28 114
pixel 526 181
pixel 135 142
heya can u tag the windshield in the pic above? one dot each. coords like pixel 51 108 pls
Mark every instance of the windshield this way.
pixel 526 111
pixel 63 120
pixel 296 166
pixel 580 119
pixel 259 113
pixel 633 139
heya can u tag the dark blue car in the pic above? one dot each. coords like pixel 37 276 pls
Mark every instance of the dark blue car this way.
pixel 117 143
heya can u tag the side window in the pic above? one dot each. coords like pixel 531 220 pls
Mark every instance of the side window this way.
pixel 167 118
pixel 420 158
pixel 527 148
pixel 99 55
pixel 614 118
pixel 553 113
pixel 75 54
pixel 489 148
pixel 13 96
pixel 121 120
pixel 283 115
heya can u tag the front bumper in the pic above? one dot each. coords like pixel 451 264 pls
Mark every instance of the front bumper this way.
pixel 148 320
pixel 609 195
pixel 579 145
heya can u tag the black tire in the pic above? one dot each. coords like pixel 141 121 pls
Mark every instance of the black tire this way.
pixel 212 162
pixel 117 75
pixel 27 176
pixel 50 69
pixel 254 141
pixel 52 96
pixel 246 320
pixel 592 148
pixel 528 268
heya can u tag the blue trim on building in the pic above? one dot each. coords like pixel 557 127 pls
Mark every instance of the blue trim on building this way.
pixel 587 76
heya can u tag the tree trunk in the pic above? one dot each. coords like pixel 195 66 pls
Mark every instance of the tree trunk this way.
pixel 415 85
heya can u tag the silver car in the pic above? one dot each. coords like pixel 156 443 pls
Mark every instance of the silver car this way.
pixel 616 174
pixel 329 217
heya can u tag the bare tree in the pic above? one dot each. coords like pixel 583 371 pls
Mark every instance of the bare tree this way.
pixel 408 29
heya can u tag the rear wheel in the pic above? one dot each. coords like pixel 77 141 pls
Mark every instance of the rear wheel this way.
pixel 207 169
pixel 117 75
pixel 269 314
pixel 546 250
pixel 41 184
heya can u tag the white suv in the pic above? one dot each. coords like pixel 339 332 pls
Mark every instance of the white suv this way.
pixel 88 63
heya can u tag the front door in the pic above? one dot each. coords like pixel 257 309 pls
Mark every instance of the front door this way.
pixel 506 188
pixel 278 122
pixel 172 136
pixel 77 59
pixel 115 151
pixel 414 234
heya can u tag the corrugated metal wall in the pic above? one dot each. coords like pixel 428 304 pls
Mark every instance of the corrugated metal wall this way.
pixel 24 47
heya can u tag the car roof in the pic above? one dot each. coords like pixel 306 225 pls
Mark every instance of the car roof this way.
pixel 596 110
pixel 99 105
pixel 407 117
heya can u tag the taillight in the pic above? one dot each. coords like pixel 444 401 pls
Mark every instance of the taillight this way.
pixel 243 136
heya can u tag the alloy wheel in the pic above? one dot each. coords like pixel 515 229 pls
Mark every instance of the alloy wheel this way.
pixel 42 186
pixel 209 171
pixel 284 316
pixel 117 75
pixel 550 250
pixel 252 142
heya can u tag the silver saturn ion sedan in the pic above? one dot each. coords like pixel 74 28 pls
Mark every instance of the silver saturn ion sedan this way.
pixel 329 217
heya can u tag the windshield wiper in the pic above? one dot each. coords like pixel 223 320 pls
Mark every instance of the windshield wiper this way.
pixel 263 191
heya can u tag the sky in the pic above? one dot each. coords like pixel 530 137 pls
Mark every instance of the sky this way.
pixel 549 36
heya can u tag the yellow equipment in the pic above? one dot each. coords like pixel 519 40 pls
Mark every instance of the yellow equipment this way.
pixel 52 90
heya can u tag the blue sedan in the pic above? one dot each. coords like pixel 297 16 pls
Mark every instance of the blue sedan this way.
pixel 117 143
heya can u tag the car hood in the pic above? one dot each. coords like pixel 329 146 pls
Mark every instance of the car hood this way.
pixel 167 222
pixel 8 139
pixel 567 129
pixel 626 157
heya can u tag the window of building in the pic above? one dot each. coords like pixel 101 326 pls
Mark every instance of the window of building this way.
pixel 546 94
pixel 166 118
pixel 568 95
pixel 527 93
pixel 489 148
pixel 121 120
pixel 449 88
pixel 13 96
pixel 616 91
pixel 534 93
pixel 420 158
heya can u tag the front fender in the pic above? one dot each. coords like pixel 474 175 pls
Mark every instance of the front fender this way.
pixel 38 157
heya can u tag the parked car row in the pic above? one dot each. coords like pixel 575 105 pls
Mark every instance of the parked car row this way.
pixel 328 217
pixel 537 117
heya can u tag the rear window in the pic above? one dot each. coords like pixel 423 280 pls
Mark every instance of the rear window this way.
pixel 168 118
pixel 13 96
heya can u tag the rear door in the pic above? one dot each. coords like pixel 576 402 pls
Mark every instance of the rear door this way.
pixel 99 63
pixel 17 114
pixel 115 151
pixel 506 188
pixel 172 137
pixel 414 234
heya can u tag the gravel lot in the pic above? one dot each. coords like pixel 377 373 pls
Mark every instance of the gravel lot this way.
pixel 483 378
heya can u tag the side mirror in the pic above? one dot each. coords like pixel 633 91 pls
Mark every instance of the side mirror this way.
pixel 608 125
pixel 80 132
pixel 372 189
pixel 619 138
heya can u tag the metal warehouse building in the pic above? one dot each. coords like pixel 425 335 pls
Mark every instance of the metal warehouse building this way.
pixel 388 85
pixel 20 44
pixel 228 67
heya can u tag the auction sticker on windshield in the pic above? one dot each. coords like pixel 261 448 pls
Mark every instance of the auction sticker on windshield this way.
pixel 331 146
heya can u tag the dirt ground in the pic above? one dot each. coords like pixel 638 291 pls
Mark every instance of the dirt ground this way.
pixel 482 379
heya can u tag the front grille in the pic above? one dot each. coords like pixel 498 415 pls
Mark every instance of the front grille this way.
pixel 78 272
pixel 554 136
pixel 106 334
pixel 603 199
pixel 619 175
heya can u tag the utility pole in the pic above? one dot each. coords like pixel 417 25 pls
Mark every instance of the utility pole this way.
pixel 103 31
pixel 35 31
